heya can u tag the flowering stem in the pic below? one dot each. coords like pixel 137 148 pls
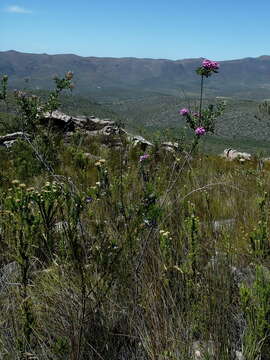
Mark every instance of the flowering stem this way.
pixel 200 112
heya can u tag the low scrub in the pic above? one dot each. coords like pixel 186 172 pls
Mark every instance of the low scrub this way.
pixel 130 254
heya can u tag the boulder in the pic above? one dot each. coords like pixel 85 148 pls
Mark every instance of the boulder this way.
pixel 9 139
pixel 139 141
pixel 59 120
pixel 169 146
pixel 231 154
pixel 224 224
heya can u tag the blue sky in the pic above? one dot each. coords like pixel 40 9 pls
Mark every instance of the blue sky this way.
pixel 172 29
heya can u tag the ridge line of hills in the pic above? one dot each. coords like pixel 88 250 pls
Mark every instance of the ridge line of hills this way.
pixel 99 77
pixel 11 51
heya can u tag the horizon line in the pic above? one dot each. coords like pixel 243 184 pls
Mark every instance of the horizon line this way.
pixel 132 57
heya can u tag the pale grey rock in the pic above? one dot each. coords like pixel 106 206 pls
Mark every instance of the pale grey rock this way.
pixel 202 349
pixel 91 156
pixel 9 144
pixel 224 224
pixel 239 355
pixel 61 226
pixel 231 154
pixel 9 139
pixel 92 123
pixel 206 350
pixel 169 146
pixel 139 142
pixel 243 275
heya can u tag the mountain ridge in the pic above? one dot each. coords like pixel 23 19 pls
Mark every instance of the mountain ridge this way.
pixel 131 57
pixel 245 78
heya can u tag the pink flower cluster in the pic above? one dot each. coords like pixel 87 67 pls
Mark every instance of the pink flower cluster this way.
pixel 200 131
pixel 210 65
pixel 144 157
pixel 184 111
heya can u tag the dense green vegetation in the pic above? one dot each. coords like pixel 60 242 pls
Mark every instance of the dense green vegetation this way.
pixel 114 253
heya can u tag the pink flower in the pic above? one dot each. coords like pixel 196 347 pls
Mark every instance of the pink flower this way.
pixel 200 131
pixel 210 65
pixel 144 157
pixel 184 111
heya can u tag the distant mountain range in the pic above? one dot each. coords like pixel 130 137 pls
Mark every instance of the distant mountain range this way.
pixel 132 77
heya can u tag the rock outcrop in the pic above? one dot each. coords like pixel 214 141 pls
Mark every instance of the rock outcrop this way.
pixel 92 126
pixel 70 123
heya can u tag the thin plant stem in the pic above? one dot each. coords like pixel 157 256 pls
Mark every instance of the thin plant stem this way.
pixel 201 99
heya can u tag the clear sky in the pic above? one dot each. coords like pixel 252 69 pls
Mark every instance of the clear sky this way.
pixel 171 29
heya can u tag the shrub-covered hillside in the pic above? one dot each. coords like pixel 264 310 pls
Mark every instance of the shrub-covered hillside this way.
pixel 120 252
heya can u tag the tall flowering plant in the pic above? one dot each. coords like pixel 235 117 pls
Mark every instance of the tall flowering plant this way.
pixel 203 121
pixel 207 68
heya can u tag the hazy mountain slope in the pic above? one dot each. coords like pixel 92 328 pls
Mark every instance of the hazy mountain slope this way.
pixel 128 77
